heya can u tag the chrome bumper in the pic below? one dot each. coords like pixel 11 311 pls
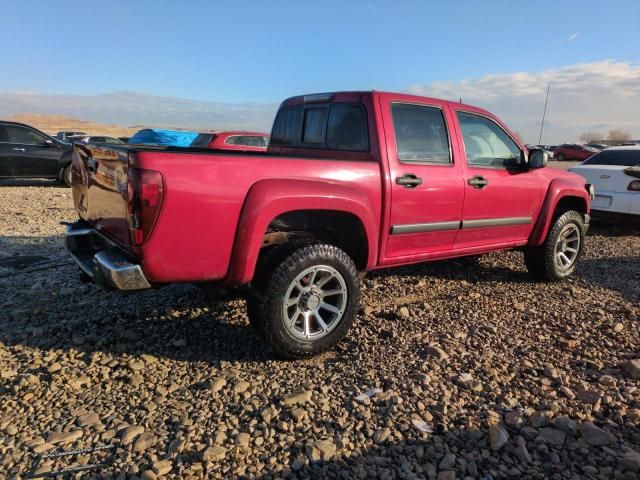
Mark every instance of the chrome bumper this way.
pixel 102 260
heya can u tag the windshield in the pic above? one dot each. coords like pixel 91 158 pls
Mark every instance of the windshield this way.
pixel 623 158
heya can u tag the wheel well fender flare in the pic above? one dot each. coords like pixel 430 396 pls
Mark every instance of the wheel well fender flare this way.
pixel 560 191
pixel 268 199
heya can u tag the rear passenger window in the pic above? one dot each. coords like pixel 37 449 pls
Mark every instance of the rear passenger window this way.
pixel 421 134
pixel 336 126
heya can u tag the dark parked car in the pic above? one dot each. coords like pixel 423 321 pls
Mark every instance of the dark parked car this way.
pixel 64 135
pixel 26 152
pixel 572 151
pixel 94 139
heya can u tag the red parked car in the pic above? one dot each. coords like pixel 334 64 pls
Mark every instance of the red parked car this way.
pixel 351 182
pixel 244 141
pixel 570 151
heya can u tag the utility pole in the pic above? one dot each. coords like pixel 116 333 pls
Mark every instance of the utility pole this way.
pixel 544 114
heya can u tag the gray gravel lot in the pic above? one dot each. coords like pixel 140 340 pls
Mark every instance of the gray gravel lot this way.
pixel 482 373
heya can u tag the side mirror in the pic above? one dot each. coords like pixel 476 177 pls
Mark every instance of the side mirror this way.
pixel 49 143
pixel 537 158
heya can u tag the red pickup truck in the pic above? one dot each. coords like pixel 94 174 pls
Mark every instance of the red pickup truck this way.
pixel 351 181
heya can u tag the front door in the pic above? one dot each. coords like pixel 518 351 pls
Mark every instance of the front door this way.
pixel 427 188
pixel 500 195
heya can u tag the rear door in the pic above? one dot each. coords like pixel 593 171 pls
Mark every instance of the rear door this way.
pixel 500 196
pixel 427 189
pixel 31 155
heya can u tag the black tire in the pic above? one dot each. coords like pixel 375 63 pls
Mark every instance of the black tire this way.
pixel 561 157
pixel 265 304
pixel 269 260
pixel 542 261
pixel 66 175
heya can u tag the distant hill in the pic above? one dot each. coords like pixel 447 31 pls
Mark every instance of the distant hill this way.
pixel 52 124
pixel 130 108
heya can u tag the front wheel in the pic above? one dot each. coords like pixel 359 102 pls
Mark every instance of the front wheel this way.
pixel 307 303
pixel 558 256
pixel 561 157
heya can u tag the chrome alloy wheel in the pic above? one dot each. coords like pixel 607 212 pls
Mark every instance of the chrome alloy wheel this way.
pixel 315 302
pixel 567 246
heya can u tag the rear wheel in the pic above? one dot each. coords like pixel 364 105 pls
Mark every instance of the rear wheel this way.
pixel 307 303
pixel 66 175
pixel 558 256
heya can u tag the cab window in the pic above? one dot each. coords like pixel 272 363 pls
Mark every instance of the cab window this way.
pixel 486 144
pixel 421 134
pixel 335 126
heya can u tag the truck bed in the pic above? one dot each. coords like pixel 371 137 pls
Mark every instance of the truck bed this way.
pixel 203 195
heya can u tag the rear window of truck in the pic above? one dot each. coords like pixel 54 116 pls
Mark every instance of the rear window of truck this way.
pixel 247 140
pixel 336 126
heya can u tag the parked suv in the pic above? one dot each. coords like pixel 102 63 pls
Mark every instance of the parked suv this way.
pixel 94 139
pixel 26 152
pixel 64 135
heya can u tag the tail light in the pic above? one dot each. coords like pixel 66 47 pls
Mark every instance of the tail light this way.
pixel 144 201
pixel 634 186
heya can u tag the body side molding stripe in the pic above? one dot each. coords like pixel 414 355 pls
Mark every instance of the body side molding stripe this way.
pixel 496 222
pixel 424 227
pixel 442 226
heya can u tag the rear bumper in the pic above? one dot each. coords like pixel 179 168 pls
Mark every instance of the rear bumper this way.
pixel 102 260
pixel 617 202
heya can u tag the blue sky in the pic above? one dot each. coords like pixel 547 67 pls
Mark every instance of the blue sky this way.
pixel 239 59
pixel 264 51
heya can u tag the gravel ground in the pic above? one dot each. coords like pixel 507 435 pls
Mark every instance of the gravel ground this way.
pixel 480 372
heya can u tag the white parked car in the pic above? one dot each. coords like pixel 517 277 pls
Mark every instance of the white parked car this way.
pixel 615 175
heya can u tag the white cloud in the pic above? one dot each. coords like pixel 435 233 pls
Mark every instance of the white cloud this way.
pixel 583 97
pixel 572 37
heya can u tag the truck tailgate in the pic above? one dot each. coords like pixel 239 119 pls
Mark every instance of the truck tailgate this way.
pixel 99 189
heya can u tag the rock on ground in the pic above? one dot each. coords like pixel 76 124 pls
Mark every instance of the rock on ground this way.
pixel 507 377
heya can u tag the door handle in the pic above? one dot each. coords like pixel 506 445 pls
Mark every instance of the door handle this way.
pixel 409 180
pixel 478 182
pixel 18 149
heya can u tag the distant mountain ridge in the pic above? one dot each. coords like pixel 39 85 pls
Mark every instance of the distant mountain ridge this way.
pixel 52 124
pixel 131 108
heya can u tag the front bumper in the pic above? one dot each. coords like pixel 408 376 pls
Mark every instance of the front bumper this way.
pixel 102 260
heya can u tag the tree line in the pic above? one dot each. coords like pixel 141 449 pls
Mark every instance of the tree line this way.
pixel 614 135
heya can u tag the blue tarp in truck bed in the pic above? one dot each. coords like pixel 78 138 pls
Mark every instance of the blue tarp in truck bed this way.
pixel 156 136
